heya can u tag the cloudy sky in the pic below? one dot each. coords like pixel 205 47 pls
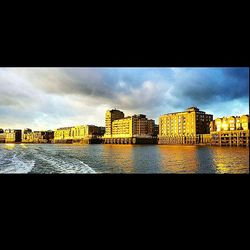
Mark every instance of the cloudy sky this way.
pixel 48 98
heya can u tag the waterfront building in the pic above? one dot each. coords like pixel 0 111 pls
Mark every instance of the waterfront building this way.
pixel 110 116
pixel 230 131
pixel 230 123
pixel 27 136
pixel 37 136
pixel 13 135
pixel 191 126
pixel 129 130
pixel 2 136
pixel 156 129
pixel 43 136
pixel 79 134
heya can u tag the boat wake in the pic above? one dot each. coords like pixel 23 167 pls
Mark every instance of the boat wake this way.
pixel 17 165
pixel 55 164
pixel 37 160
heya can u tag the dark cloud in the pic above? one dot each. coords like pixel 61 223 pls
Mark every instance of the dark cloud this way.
pixel 206 86
pixel 57 95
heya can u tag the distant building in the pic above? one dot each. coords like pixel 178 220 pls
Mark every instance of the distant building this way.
pixel 132 129
pixel 37 136
pixel 2 136
pixel 230 131
pixel 27 136
pixel 79 134
pixel 156 130
pixel 100 131
pixel 188 127
pixel 43 136
pixel 13 135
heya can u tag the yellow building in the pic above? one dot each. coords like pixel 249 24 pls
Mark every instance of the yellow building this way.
pixel 110 116
pixel 13 135
pixel 122 128
pixel 27 136
pixel 81 133
pixel 230 131
pixel 230 123
pixel 37 136
pixel 131 129
pixel 184 127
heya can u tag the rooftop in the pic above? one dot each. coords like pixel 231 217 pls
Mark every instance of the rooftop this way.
pixel 193 108
pixel 187 110
pixel 64 128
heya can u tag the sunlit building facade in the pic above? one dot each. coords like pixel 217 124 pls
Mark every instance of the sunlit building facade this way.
pixel 129 130
pixel 188 127
pixel 13 135
pixel 79 134
pixel 230 131
pixel 110 116
pixel 230 123
pixel 28 136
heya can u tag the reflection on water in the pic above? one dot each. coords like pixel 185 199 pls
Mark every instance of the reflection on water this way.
pixel 62 158
pixel 9 146
pixel 178 159
pixel 23 145
pixel 231 160
pixel 118 157
pixel 205 159
pixel 146 159
pixel 200 159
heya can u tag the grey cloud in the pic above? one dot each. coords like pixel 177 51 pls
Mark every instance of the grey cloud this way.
pixel 63 94
pixel 70 81
pixel 206 88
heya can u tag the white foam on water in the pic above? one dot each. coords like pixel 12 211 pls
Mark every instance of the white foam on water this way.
pixel 66 167
pixel 16 162
pixel 88 169
pixel 74 168
pixel 18 166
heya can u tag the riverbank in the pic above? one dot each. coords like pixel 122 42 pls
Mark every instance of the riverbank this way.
pixel 157 144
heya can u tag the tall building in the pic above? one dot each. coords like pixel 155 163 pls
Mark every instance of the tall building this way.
pixel 81 134
pixel 132 129
pixel 189 126
pixel 110 116
pixel 230 131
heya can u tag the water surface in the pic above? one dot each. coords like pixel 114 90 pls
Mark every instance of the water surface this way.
pixel 96 158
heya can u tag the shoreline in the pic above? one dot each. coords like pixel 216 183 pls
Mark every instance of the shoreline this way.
pixel 81 144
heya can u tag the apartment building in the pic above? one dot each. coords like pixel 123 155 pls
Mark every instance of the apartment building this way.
pixel 187 127
pixel 129 130
pixel 230 131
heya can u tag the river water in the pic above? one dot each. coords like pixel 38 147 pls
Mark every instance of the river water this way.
pixel 103 158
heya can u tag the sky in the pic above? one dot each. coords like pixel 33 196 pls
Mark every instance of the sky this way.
pixel 49 98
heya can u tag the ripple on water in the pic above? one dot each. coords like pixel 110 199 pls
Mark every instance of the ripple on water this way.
pixel 36 158
pixel 17 165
